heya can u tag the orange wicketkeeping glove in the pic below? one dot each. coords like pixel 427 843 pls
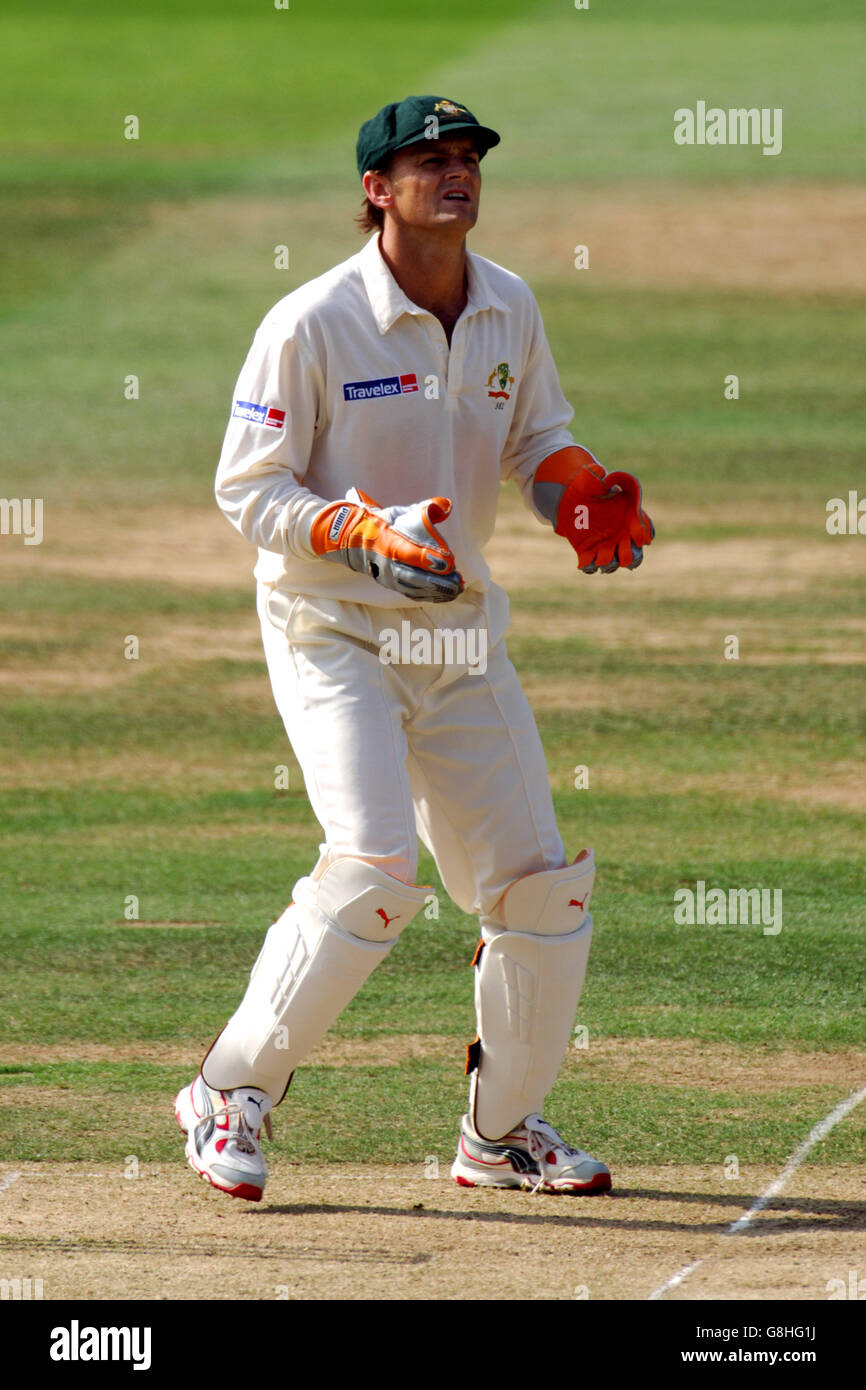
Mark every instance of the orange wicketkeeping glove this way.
pixel 599 513
pixel 399 547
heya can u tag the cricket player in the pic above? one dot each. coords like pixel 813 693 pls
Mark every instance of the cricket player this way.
pixel 379 409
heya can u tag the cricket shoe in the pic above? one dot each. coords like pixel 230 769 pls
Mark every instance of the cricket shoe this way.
pixel 222 1130
pixel 533 1157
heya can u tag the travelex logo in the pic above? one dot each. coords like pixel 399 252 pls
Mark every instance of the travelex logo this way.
pixel 260 414
pixel 380 386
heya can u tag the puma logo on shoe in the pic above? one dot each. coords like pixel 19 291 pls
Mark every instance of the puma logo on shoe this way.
pixel 380 912
pixel 576 902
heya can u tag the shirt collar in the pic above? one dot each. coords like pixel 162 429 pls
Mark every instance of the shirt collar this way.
pixel 389 303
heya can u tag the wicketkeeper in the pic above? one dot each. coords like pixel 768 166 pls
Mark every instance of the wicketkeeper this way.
pixel 379 409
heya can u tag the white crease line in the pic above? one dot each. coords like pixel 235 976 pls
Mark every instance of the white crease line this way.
pixel 8 1181
pixel 820 1131
pixel 675 1279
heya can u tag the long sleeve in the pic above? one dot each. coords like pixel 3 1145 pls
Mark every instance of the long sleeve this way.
pixel 541 416
pixel 278 410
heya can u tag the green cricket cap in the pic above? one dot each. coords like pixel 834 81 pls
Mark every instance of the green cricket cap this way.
pixel 406 122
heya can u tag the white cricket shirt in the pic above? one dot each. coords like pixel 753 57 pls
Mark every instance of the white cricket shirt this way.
pixel 350 384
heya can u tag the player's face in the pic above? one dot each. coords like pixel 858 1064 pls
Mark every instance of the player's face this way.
pixel 436 184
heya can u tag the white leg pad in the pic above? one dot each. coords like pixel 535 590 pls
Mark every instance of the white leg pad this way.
pixel 315 958
pixel 528 981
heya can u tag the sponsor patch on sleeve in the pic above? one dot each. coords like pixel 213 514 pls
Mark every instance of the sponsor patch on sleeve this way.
pixel 260 414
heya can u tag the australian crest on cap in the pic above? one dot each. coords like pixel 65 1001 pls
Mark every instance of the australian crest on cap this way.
pixel 450 108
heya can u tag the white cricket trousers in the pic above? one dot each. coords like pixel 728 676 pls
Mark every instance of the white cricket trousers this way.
pixel 390 750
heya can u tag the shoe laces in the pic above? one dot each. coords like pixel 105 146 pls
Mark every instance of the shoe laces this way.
pixel 547 1147
pixel 242 1133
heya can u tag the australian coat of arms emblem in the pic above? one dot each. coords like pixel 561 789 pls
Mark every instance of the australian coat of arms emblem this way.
pixel 501 375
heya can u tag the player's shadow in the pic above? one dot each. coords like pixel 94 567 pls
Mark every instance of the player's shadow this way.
pixel 786 1214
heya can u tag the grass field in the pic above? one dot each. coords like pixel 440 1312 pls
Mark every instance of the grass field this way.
pixel 154 778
